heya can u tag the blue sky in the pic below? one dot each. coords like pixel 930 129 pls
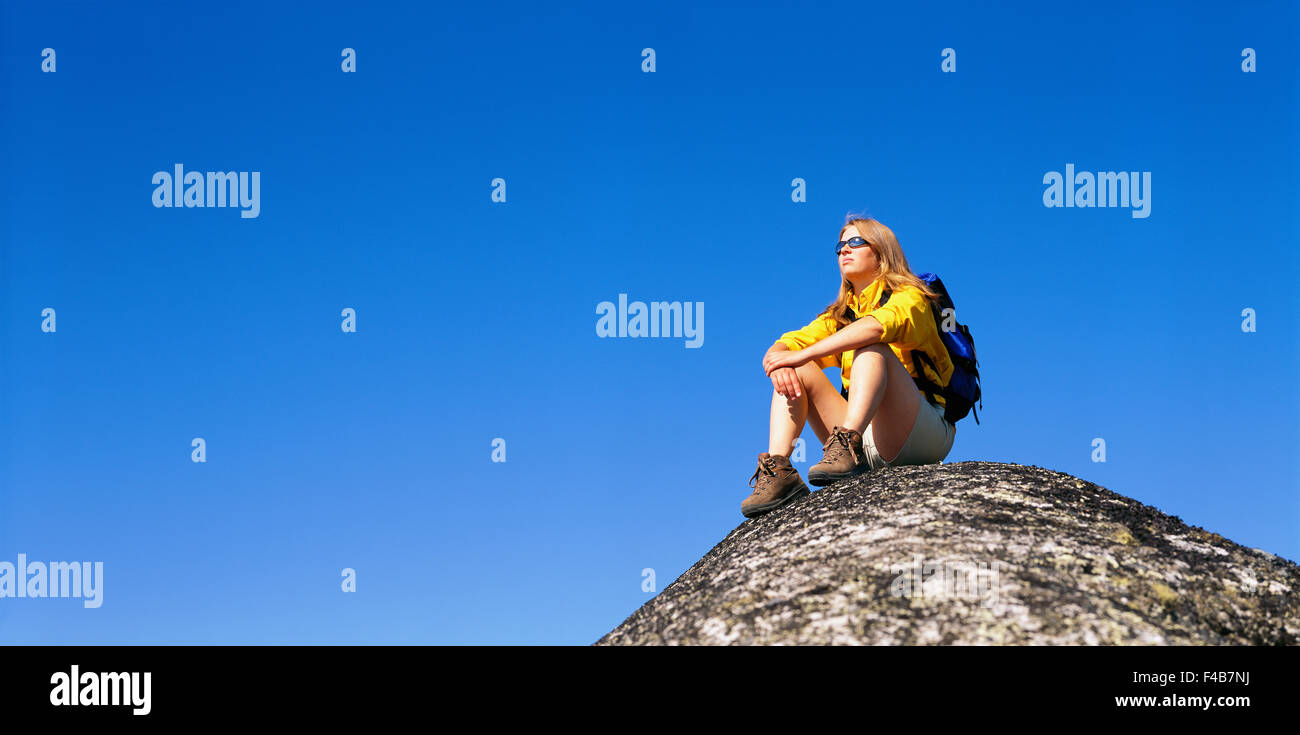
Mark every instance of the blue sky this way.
pixel 476 319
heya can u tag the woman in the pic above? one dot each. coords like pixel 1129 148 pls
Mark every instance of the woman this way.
pixel 881 418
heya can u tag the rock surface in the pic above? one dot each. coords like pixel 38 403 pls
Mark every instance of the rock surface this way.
pixel 972 553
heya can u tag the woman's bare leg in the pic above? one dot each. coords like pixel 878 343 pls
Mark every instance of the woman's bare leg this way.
pixel 788 416
pixel 882 394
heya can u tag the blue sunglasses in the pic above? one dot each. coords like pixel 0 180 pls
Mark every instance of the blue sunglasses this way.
pixel 853 242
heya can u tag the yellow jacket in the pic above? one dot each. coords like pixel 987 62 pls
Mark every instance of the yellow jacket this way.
pixel 908 326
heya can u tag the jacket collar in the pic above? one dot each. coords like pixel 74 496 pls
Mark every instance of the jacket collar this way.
pixel 867 299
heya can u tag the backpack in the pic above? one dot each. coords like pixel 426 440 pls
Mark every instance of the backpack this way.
pixel 963 389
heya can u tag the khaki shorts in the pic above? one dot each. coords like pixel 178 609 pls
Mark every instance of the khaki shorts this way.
pixel 929 442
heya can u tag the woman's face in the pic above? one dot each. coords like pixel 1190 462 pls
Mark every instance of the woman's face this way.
pixel 857 263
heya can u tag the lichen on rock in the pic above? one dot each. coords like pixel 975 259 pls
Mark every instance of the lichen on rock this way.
pixel 971 553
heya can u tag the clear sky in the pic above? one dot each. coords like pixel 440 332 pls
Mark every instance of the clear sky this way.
pixel 475 319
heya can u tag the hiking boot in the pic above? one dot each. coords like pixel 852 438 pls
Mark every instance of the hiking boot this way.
pixel 775 483
pixel 842 457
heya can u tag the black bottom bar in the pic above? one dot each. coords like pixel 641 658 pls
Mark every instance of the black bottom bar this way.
pixel 329 684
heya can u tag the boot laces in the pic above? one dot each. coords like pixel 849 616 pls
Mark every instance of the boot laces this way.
pixel 766 466
pixel 841 437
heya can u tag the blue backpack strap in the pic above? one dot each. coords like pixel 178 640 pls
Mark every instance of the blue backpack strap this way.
pixel 924 384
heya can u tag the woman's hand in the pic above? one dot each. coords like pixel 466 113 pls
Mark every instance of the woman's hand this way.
pixel 786 382
pixel 775 359
pixel 779 364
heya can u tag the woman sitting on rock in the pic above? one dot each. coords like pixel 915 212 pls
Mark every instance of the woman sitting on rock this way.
pixel 880 418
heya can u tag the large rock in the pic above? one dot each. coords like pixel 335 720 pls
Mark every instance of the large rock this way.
pixel 894 557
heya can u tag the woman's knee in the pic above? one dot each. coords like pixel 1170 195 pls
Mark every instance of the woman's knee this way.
pixel 880 358
pixel 810 374
pixel 873 354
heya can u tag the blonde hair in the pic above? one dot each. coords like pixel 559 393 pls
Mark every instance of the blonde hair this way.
pixel 894 269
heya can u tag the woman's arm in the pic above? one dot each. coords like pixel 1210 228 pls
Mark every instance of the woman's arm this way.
pixel 863 332
pixel 821 327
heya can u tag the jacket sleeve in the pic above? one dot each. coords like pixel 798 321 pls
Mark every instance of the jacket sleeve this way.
pixel 909 325
pixel 815 331
pixel 906 319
